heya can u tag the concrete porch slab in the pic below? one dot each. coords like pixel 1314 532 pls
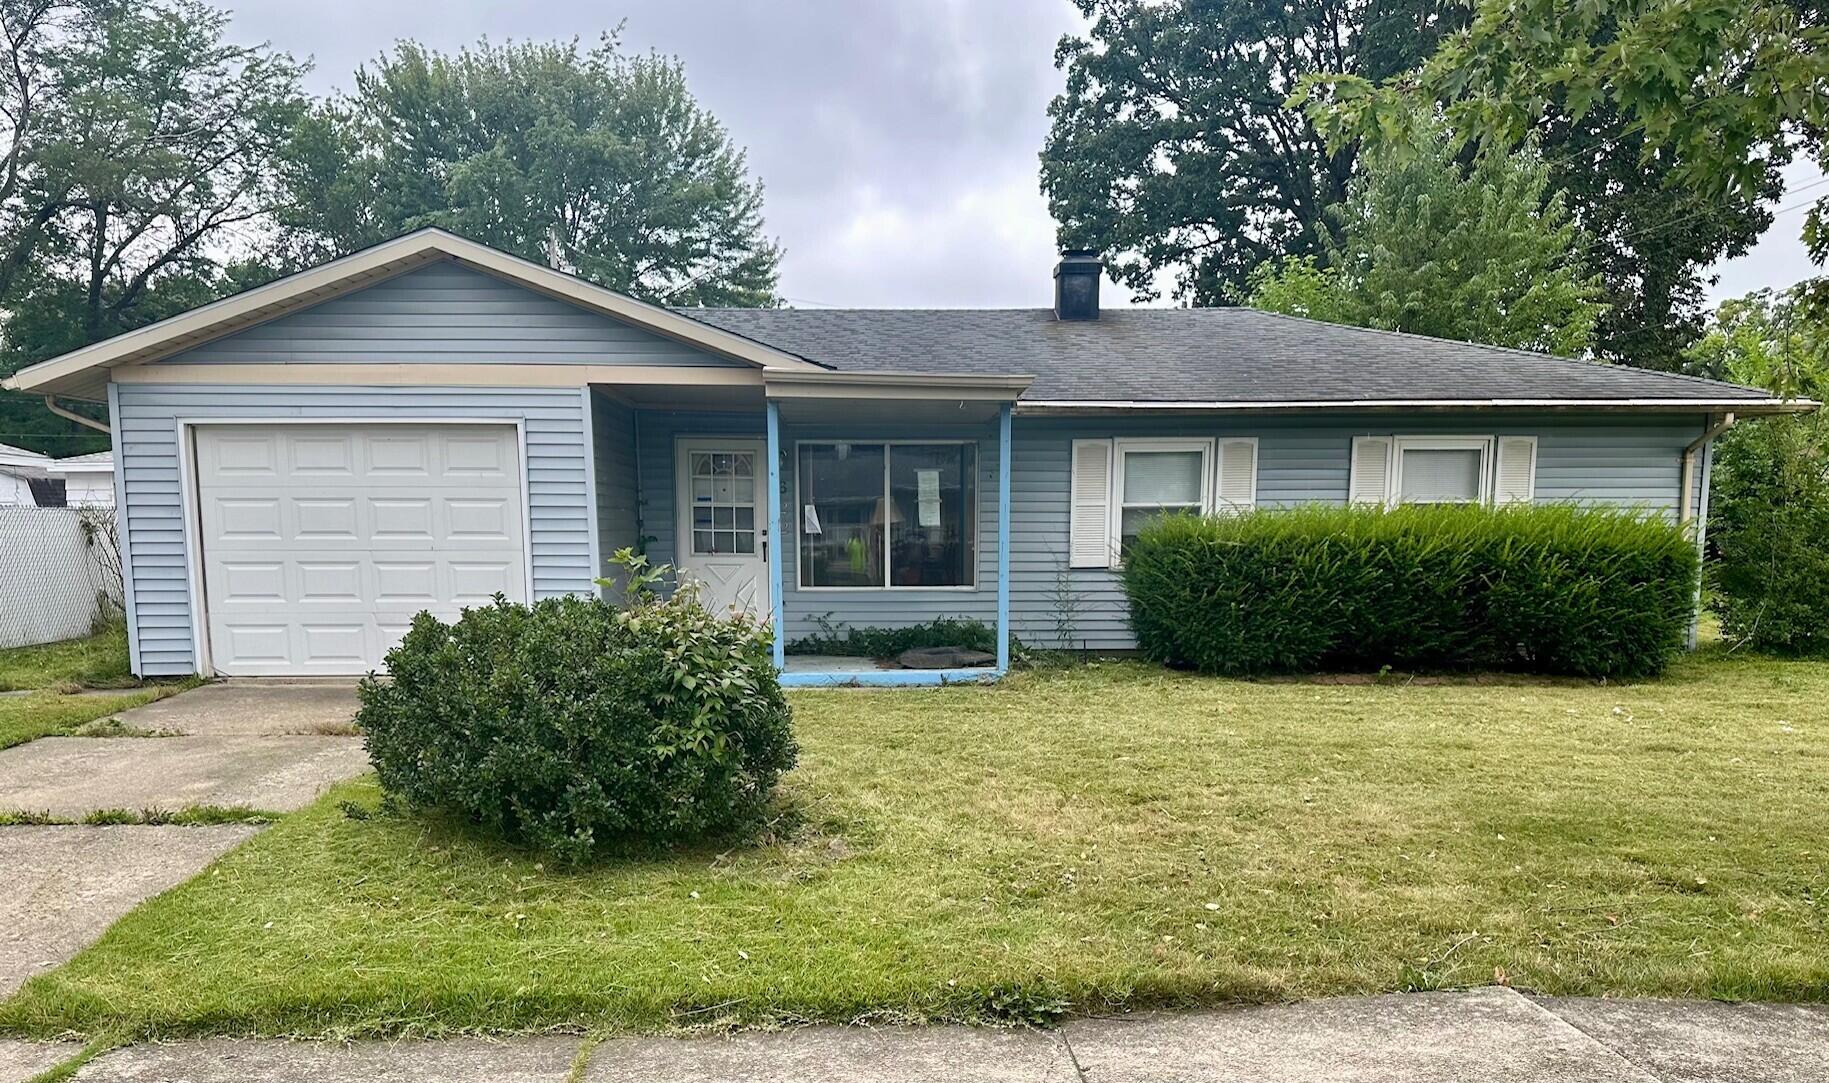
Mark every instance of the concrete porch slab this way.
pixel 1687 1041
pixel 71 777
pixel 1417 1037
pixel 65 885
pixel 246 707
pixel 222 1060
pixel 839 1055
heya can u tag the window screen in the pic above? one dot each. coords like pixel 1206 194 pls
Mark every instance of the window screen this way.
pixel 1441 475
pixel 1157 482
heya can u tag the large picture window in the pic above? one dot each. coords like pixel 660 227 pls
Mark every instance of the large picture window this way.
pixel 887 514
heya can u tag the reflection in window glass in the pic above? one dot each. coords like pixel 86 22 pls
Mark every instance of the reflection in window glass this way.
pixel 842 510
pixel 931 541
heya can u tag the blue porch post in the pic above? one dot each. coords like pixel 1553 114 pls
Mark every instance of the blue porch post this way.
pixel 1003 539
pixel 775 608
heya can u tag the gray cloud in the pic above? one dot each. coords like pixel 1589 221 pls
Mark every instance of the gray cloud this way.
pixel 897 140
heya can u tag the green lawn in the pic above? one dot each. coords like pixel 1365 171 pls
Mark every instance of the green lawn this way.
pixel 1067 841
pixel 96 661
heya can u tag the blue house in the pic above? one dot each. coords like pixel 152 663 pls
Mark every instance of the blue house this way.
pixel 421 425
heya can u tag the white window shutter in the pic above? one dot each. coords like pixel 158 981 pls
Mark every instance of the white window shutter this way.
pixel 1371 471
pixel 1237 475
pixel 1089 517
pixel 1515 478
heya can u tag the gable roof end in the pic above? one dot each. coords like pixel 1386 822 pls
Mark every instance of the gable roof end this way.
pixel 83 373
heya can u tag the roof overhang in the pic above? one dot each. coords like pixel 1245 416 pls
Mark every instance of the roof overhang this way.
pixel 1748 407
pixel 83 374
pixel 893 385
pixel 102 466
pixel 854 398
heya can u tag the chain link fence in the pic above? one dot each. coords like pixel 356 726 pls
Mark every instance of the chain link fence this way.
pixel 60 573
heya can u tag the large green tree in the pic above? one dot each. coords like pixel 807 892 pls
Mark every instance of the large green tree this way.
pixel 1171 149
pixel 592 161
pixel 1424 245
pixel 1769 514
pixel 1711 96
pixel 140 156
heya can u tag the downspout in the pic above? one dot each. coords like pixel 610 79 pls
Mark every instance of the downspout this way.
pixel 50 403
pixel 1706 445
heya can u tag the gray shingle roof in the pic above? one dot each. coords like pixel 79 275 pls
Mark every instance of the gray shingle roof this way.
pixel 1193 355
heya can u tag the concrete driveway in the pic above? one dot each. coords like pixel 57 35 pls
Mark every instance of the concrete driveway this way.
pixel 319 708
pixel 268 746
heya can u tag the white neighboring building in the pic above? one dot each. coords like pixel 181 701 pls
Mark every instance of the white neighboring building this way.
pixel 88 479
pixel 17 467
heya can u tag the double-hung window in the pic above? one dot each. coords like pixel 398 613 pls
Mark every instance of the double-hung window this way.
pixel 1442 469
pixel 1159 477
pixel 878 514
pixel 1119 484
pixel 1393 470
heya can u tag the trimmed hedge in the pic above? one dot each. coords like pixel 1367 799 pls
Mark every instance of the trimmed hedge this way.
pixel 1545 589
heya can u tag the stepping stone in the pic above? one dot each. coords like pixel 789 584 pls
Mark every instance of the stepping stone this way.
pixel 226 1060
pixel 944 658
pixel 65 885
pixel 70 777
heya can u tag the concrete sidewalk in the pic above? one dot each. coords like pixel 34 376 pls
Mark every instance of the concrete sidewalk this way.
pixel 1477 1034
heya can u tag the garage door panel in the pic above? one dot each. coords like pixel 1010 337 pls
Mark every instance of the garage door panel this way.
pixel 321 543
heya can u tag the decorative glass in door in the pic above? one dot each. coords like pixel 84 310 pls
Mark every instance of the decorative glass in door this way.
pixel 723 502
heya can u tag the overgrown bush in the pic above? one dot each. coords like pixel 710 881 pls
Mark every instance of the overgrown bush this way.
pixel 1552 589
pixel 1769 528
pixel 572 723
pixel 886 643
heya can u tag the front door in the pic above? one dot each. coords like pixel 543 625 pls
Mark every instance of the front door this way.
pixel 723 528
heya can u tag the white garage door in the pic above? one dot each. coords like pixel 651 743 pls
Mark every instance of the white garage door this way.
pixel 321 542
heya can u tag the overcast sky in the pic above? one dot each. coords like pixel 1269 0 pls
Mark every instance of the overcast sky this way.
pixel 897 140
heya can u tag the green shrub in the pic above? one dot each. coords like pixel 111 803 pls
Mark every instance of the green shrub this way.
pixel 888 642
pixel 1769 528
pixel 571 724
pixel 1552 589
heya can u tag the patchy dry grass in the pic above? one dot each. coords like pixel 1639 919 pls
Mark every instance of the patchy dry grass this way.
pixel 1068 841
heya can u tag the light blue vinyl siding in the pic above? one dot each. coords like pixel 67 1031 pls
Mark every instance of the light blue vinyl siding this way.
pixel 1606 459
pixel 1630 461
pixel 146 424
pixel 446 313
